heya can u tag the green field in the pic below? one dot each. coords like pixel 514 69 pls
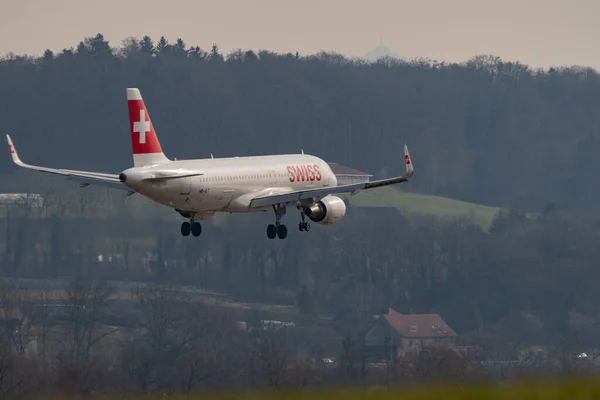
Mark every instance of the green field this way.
pixel 539 390
pixel 413 203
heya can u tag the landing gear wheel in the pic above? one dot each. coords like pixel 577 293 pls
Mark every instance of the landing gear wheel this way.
pixel 271 231
pixel 196 229
pixel 282 231
pixel 304 226
pixel 186 228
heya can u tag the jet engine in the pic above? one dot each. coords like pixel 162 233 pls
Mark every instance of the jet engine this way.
pixel 328 211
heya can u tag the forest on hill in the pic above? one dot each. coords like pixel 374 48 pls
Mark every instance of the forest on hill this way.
pixel 485 131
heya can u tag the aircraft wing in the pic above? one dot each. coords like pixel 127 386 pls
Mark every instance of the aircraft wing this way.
pixel 83 177
pixel 293 197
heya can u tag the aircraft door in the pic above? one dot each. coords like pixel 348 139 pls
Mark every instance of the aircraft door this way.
pixel 325 172
pixel 273 177
pixel 185 186
pixel 181 191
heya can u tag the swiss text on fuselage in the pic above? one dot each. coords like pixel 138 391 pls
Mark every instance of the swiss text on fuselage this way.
pixel 303 173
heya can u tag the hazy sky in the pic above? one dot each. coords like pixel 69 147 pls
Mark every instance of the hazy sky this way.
pixel 536 32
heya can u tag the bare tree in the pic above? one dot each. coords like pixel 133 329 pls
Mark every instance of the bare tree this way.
pixel 186 340
pixel 42 320
pixel 273 359
pixel 9 379
pixel 85 301
pixel 164 320
pixel 18 314
pixel 201 364
pixel 436 363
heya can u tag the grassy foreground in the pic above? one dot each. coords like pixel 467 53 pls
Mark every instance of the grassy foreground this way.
pixel 539 390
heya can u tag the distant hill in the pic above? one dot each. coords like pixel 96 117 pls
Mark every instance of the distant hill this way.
pixel 380 52
pixel 486 131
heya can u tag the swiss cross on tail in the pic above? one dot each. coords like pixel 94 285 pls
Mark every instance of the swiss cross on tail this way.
pixel 142 126
pixel 409 166
pixel 143 136
pixel 13 151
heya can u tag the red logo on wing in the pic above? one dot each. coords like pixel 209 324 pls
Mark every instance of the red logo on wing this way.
pixel 12 149
pixel 407 158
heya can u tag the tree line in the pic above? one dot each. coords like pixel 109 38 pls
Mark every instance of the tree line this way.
pixel 534 274
pixel 510 135
pixel 92 338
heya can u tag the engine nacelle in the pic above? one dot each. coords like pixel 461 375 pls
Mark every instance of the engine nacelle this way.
pixel 329 210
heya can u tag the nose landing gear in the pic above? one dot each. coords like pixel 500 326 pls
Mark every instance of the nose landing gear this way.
pixel 303 225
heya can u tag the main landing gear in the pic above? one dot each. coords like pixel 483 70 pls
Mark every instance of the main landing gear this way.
pixel 192 227
pixel 278 229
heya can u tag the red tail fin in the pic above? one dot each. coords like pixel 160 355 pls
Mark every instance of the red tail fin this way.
pixel 144 142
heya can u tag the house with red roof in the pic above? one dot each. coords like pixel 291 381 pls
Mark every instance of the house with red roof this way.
pixel 404 332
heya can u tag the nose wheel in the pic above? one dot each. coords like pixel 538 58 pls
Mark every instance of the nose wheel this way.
pixel 303 226
pixel 191 227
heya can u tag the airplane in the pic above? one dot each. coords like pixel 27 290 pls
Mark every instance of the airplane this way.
pixel 199 188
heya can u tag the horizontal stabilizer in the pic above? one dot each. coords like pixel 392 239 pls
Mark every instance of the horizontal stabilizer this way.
pixel 162 178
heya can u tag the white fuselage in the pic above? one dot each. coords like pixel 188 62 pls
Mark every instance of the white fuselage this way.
pixel 229 184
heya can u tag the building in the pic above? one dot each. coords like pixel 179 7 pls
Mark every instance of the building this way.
pixel 404 332
pixel 346 175
pixel 27 199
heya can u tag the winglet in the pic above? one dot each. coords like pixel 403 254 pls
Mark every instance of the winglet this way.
pixel 13 151
pixel 409 165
